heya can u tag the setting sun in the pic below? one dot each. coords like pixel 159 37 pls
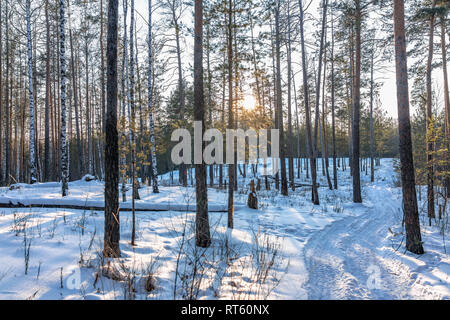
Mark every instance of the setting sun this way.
pixel 249 102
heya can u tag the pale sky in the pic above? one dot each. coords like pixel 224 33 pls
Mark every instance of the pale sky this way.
pixel 388 91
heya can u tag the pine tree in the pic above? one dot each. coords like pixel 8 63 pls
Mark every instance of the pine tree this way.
pixel 430 120
pixel 357 107
pixel 202 234
pixel 112 230
pixel 411 214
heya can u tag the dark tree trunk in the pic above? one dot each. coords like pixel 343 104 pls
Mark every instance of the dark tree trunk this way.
pixel 1 93
pixel 447 103
pixel 112 231
pixel 430 124
pixel 372 162
pixel 356 107
pixel 284 184
pixel 202 235
pixel 231 166
pixel 411 215
pixel 6 145
pixel 47 98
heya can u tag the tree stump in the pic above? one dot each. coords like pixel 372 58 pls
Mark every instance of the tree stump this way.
pixel 252 199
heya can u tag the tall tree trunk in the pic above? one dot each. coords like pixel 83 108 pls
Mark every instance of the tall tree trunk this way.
pixel 88 110
pixel 47 97
pixel 324 122
pixel 33 177
pixel 411 215
pixel 112 229
pixel 6 144
pixel 333 113
pixel 124 100
pixel 430 122
pixel 372 160
pixel 202 234
pixel 224 80
pixel 447 102
pixel 350 99
pixel 102 92
pixel 62 48
pixel 284 184
pixel 356 106
pixel 150 101
pixel 210 110
pixel 75 101
pixel 289 72
pixel 1 92
pixel 315 194
pixel 102 71
pixel 317 126
pixel 135 194
pixel 297 127
pixel 275 109
pixel 181 93
pixel 231 171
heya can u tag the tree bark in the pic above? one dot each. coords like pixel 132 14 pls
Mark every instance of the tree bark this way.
pixel 231 171
pixel 315 194
pixel 284 184
pixel 356 106
pixel 150 101
pixel 202 234
pixel 411 215
pixel 62 48
pixel 372 162
pixel 33 177
pixel 112 230
pixel 447 103
pixel 333 107
pixel 430 121
pixel 134 189
pixel 47 98
pixel 6 145
pixel 289 72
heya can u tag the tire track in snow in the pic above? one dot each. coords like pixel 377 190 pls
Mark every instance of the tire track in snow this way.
pixel 345 258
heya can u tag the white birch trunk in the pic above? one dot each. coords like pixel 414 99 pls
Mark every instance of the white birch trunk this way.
pixel 64 158
pixel 33 178
pixel 150 105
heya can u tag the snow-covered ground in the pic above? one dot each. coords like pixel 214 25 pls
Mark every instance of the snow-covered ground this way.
pixel 288 249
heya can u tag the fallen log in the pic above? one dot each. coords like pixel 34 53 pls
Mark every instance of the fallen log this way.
pixel 298 185
pixel 182 208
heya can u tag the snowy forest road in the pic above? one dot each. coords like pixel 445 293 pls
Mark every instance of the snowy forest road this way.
pixel 353 259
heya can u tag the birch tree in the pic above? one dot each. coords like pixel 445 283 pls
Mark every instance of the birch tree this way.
pixel 150 101
pixel 33 177
pixel 64 155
